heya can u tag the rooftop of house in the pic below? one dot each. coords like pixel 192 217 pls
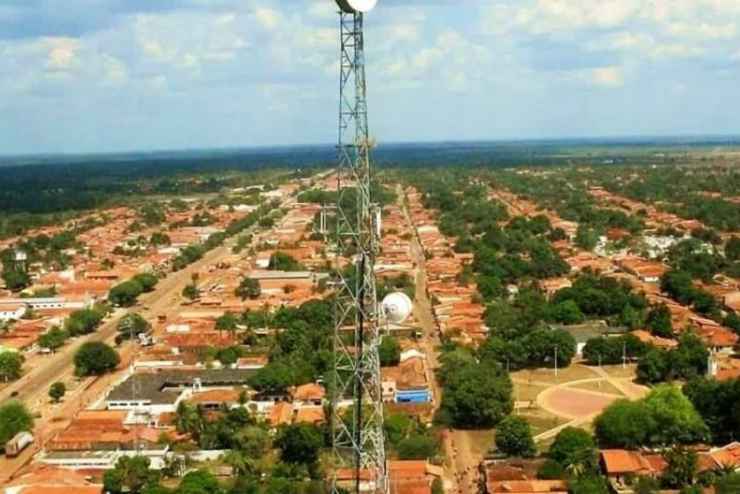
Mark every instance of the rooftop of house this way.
pixel 280 414
pixel 527 487
pixel 717 336
pixel 310 415
pixel 42 475
pixel 309 392
pixel 409 374
pixel 647 337
pixel 165 387
pixel 620 461
pixel 231 395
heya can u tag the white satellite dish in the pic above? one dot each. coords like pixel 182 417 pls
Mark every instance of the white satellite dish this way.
pixel 353 6
pixel 397 307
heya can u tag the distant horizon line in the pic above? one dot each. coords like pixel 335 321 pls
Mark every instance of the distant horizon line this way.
pixel 614 139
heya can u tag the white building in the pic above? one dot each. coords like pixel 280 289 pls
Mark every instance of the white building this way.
pixel 12 311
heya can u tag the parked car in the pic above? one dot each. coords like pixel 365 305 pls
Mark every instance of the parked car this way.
pixel 19 442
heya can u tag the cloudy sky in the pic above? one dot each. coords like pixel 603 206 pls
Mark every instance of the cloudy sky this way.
pixel 110 75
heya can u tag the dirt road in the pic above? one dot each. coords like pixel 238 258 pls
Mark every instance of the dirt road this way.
pixel 461 466
pixel 33 387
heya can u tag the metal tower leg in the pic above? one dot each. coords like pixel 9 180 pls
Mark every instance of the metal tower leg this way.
pixel 358 440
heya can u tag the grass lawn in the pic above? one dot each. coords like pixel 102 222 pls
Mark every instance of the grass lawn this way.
pixel 617 371
pixel 527 392
pixel 541 421
pixel 601 387
pixel 572 373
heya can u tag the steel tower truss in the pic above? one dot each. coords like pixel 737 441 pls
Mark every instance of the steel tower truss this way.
pixel 358 441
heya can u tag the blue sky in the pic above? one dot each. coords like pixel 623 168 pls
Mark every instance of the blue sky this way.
pixel 111 75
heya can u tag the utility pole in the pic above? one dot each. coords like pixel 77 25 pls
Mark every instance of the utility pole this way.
pixel 624 355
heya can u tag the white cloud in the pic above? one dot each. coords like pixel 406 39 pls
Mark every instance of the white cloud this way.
pixel 116 72
pixel 267 18
pixel 702 31
pixel 610 77
pixel 62 53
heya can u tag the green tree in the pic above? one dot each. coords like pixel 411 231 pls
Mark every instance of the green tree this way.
pixel 653 366
pixel 152 214
pixel 586 237
pixel 16 279
pixel 389 351
pixel 681 469
pixel 229 356
pixel 199 482
pixel 729 484
pixel 253 440
pixel 574 450
pixel 514 437
pixel 14 418
pixel 476 395
pixel 159 239
pixel 248 288
pixel 299 443
pixel 490 286
pixel 417 447
pixel 227 322
pixel 624 424
pixel 53 339
pixel 83 322
pixel 566 312
pixel 132 474
pixel 95 358
pixel 588 485
pixel 719 405
pixel 659 321
pixel 11 366
pixel 191 291
pixel 274 378
pixel 663 417
pixel 732 249
pixel 646 485
pixel 676 418
pixel 57 391
pixel 147 281
pixel 543 345
pixel 133 324
pixel 398 426
pixel 280 261
pixel 732 321
pixel 125 294
pixel 679 285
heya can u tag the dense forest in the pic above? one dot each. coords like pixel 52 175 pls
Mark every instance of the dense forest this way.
pixel 36 191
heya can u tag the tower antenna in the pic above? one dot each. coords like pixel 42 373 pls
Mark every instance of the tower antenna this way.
pixel 358 441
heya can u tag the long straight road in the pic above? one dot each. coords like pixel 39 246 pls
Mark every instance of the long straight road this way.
pixel 461 465
pixel 33 387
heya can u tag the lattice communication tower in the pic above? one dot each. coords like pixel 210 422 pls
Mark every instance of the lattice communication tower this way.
pixel 358 440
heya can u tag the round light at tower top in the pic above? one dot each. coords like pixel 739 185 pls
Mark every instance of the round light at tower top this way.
pixel 354 6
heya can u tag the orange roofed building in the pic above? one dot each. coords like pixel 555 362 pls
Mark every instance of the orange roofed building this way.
pixel 45 479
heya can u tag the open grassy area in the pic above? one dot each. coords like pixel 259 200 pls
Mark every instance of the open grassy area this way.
pixel 617 371
pixel 599 386
pixel 541 421
pixel 572 373
pixel 527 392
